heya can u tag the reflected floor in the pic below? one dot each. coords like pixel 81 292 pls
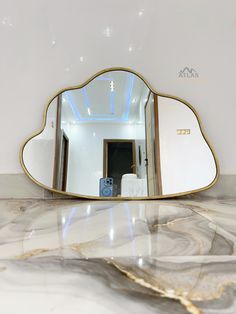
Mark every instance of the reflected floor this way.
pixel 155 256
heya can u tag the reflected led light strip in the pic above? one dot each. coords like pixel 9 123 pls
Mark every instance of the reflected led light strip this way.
pixel 72 105
pixel 112 102
pixel 76 112
pixel 130 83
pixel 103 117
pixel 87 103
pixel 85 97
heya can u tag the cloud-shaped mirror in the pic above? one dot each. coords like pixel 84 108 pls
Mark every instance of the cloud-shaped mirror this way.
pixel 114 136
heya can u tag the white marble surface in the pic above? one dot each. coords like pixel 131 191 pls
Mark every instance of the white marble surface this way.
pixel 118 257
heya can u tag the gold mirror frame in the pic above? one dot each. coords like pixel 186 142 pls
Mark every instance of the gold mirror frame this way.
pixel 119 198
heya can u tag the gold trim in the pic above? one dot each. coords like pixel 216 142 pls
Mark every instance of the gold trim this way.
pixel 119 198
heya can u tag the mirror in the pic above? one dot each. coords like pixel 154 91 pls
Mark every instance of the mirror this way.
pixel 114 136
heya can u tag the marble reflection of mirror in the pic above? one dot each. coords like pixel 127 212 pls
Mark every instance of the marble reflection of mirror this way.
pixel 115 137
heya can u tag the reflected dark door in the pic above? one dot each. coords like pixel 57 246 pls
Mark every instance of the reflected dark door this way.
pixel 64 162
pixel 119 159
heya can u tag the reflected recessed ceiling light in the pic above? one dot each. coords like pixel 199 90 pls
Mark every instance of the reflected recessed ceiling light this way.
pixel 112 86
pixel 81 59
pixel 53 42
pixel 140 13
pixel 89 112
pixel 130 49
pixel 134 100
pixel 107 32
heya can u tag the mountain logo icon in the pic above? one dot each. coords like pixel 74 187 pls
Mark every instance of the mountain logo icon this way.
pixel 188 73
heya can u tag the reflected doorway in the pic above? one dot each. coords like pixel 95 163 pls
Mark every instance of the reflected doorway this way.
pixel 64 162
pixel 118 159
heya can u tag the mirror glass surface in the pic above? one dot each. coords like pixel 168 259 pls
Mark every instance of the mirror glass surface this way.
pixel 114 137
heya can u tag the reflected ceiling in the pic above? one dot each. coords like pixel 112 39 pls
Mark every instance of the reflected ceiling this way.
pixel 112 97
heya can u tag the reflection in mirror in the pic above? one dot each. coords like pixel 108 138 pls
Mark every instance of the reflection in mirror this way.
pixel 114 137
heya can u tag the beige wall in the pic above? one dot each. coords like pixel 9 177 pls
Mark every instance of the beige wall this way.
pixel 48 45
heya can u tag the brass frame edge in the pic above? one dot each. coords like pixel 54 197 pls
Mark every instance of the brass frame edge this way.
pixel 119 198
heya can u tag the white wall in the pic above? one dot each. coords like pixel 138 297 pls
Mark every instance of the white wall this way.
pixel 48 45
pixel 86 152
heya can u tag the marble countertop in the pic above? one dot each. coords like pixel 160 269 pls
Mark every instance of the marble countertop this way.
pixel 68 256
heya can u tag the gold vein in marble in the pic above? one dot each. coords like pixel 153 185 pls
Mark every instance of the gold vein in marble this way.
pixel 172 222
pixel 32 253
pixel 168 293
pixel 78 247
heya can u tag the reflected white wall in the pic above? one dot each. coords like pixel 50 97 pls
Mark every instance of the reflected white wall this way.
pixel 186 160
pixel 39 152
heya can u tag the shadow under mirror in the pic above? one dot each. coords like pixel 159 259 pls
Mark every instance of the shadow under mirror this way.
pixel 114 137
